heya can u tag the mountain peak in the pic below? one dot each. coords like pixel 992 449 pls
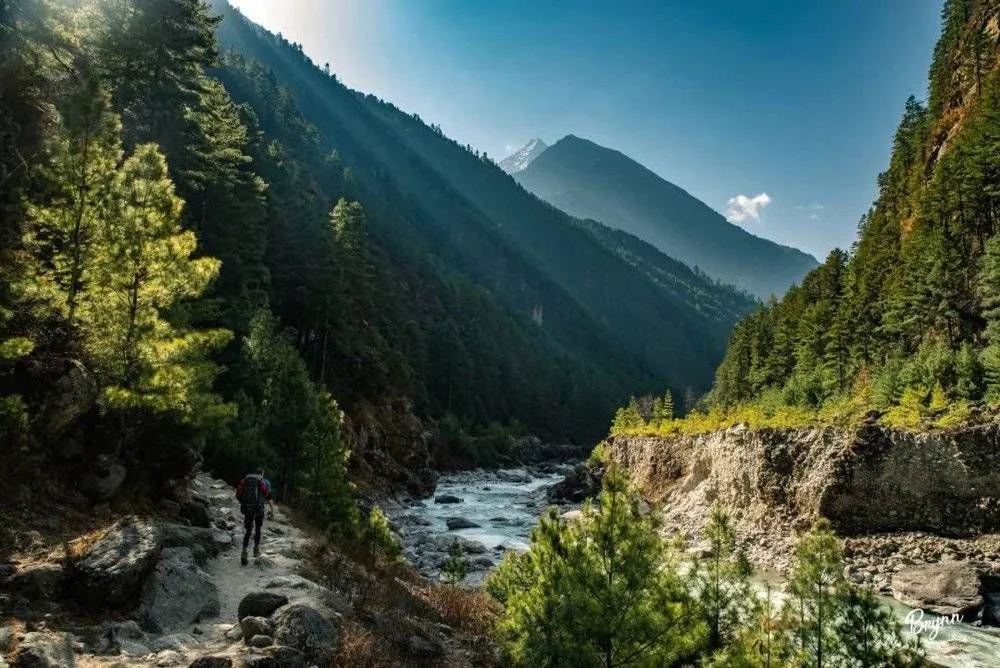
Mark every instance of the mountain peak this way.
pixel 523 157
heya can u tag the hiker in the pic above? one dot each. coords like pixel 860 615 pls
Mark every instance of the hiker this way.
pixel 253 492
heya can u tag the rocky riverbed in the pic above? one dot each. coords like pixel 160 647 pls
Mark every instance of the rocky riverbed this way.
pixel 487 512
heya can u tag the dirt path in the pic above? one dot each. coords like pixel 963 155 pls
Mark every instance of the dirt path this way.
pixel 276 570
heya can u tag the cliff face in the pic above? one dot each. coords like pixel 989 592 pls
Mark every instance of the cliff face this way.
pixel 868 481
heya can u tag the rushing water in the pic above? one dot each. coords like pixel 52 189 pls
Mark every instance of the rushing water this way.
pixel 506 505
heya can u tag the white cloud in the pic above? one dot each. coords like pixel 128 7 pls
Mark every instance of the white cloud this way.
pixel 742 208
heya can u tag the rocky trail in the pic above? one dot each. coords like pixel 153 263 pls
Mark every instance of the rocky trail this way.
pixel 190 602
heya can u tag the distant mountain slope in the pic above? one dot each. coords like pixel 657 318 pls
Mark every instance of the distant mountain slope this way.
pixel 590 181
pixel 521 158
pixel 461 209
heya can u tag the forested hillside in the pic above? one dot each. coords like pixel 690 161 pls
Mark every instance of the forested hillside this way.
pixel 591 181
pixel 224 251
pixel 474 218
pixel 908 321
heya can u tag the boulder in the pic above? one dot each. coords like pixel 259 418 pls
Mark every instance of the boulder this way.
pixel 120 638
pixel 261 640
pixel 196 513
pixel 103 484
pixel 447 498
pixel 991 609
pixel 260 661
pixel 178 593
pixel 304 629
pixel 286 657
pixel 583 482
pixel 70 397
pixel 260 604
pixel 455 523
pixel 6 638
pixel 111 572
pixel 40 649
pixel 205 543
pixel 167 657
pixel 255 626
pixel 211 662
pixel 39 581
pixel 944 588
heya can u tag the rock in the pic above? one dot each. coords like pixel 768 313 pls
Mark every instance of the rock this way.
pixel 460 523
pixel 41 649
pixel 473 547
pixel 513 476
pixel 117 636
pixel 167 657
pixel 261 640
pixel 991 609
pixel 419 647
pixel 209 542
pixel 583 482
pixel 234 633
pixel 306 630
pixel 499 520
pixel 286 657
pixel 447 498
pixel 944 588
pixel 177 593
pixel 39 581
pixel 103 485
pixel 177 642
pixel 70 397
pixel 260 661
pixel 6 638
pixel 211 662
pixel 260 604
pixel 112 570
pixel 255 626
pixel 196 512
pixel 482 562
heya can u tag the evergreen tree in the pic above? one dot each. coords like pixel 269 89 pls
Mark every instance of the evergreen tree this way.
pixel 816 588
pixel 63 230
pixel 604 590
pixel 989 290
pixel 722 584
pixel 456 566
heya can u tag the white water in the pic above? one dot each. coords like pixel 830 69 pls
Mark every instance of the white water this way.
pixel 485 496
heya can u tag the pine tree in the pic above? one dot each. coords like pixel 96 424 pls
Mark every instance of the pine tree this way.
pixel 456 566
pixel 722 584
pixel 816 587
pixel 141 268
pixel 604 590
pixel 63 231
pixel 989 294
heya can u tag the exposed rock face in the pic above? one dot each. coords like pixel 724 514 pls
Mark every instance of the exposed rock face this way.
pixel 178 593
pixel 260 604
pixel 304 629
pixel 71 396
pixel 45 650
pixel 864 481
pixel 111 572
pixel 945 588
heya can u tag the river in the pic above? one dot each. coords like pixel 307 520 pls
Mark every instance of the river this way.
pixel 505 505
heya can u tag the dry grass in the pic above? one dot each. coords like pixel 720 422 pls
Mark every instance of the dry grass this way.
pixel 473 612
pixel 360 648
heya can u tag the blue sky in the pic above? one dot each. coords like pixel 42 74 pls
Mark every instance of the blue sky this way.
pixel 795 100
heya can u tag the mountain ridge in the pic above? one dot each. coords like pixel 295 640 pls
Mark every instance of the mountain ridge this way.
pixel 588 180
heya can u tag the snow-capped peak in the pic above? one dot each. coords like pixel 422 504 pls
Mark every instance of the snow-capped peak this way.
pixel 521 158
